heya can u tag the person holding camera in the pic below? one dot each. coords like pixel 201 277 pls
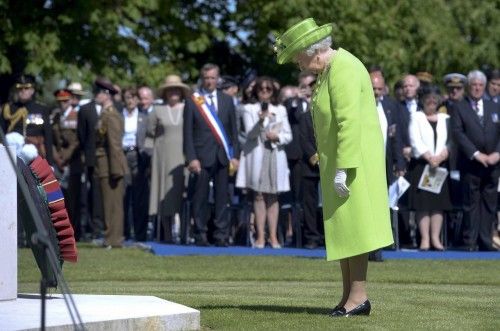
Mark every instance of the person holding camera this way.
pixel 263 162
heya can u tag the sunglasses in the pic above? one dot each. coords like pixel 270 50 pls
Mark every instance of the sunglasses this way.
pixel 265 88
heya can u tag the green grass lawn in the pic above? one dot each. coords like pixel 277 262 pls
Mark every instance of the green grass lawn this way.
pixel 287 293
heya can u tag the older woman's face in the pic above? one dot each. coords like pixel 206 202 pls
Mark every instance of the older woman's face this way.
pixel 308 63
pixel 173 95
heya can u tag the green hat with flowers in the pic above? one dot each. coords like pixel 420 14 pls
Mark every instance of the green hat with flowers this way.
pixel 299 37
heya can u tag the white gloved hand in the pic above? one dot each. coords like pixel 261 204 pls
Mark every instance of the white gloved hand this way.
pixel 340 183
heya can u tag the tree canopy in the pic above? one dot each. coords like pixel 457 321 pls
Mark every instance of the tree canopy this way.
pixel 141 41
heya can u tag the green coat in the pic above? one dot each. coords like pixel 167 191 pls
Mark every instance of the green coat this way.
pixel 349 137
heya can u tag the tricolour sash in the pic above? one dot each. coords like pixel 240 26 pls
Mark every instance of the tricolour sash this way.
pixel 209 115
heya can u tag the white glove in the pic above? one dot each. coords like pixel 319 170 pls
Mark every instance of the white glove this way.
pixel 339 183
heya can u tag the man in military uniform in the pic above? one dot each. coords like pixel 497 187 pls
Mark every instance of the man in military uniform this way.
pixel 77 93
pixel 111 165
pixel 28 118
pixel 455 87
pixel 67 155
pixel 454 83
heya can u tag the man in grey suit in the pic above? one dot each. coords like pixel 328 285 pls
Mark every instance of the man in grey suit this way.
pixel 136 182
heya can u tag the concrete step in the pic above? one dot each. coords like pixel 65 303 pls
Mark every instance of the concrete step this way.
pixel 99 312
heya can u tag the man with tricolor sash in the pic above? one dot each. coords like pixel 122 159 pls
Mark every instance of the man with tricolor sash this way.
pixel 212 152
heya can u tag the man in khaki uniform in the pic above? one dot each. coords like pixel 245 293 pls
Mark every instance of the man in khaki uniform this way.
pixel 111 165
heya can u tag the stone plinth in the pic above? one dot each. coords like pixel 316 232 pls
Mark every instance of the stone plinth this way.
pixel 8 228
pixel 99 312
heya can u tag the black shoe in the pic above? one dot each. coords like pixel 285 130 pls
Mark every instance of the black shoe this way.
pixel 311 245
pixel 337 312
pixel 361 310
pixel 375 256
pixel 467 248
pixel 334 310
pixel 221 243
pixel 201 242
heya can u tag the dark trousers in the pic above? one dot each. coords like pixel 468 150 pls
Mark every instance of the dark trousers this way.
pixel 295 167
pixel 200 206
pixel 95 212
pixel 72 197
pixel 310 205
pixel 480 204
pixel 136 199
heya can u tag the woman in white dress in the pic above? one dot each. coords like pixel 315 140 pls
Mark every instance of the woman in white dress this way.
pixel 164 136
pixel 263 164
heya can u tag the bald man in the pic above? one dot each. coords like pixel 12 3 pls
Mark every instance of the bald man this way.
pixel 410 89
pixel 388 110
pixel 146 99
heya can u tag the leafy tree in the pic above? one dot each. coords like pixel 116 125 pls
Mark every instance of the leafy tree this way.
pixel 141 41
pixel 438 36
pixel 129 41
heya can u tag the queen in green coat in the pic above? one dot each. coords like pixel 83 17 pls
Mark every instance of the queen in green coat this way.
pixel 351 156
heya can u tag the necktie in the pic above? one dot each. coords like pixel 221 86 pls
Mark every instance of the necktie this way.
pixel 476 108
pixel 211 103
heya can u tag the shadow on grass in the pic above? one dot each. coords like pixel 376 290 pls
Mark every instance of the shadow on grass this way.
pixel 274 309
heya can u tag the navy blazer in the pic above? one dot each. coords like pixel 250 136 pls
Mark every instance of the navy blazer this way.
pixel 308 144
pixel 394 145
pixel 404 117
pixel 86 126
pixel 199 141
pixel 295 109
pixel 471 136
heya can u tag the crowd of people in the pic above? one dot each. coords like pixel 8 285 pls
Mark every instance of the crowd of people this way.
pixel 136 162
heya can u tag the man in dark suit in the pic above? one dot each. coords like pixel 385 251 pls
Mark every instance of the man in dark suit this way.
pixel 86 124
pixel 136 182
pixel 388 110
pixel 476 128
pixel 206 154
pixel 296 106
pixel 411 85
pixel 310 181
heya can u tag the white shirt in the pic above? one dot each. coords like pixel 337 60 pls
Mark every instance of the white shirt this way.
pixel 383 121
pixel 209 99
pixel 98 109
pixel 130 134
pixel 411 105
pixel 480 108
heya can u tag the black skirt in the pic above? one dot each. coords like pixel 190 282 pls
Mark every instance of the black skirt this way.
pixel 420 200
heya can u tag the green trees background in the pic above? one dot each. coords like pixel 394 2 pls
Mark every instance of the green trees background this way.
pixel 141 41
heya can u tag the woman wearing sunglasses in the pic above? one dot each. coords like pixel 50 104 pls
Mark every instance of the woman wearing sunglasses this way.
pixel 263 163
